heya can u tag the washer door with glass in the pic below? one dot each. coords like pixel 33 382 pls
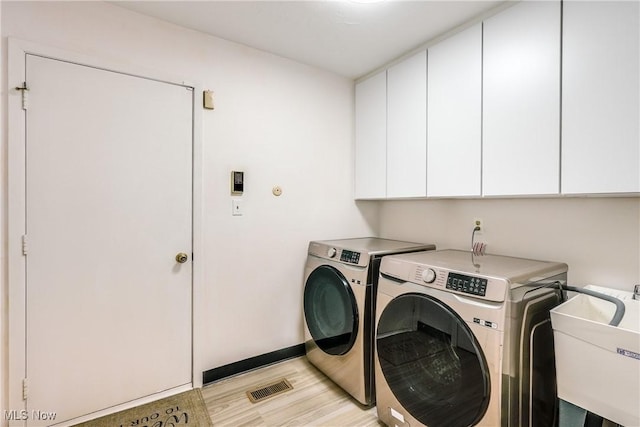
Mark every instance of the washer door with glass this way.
pixel 432 362
pixel 330 310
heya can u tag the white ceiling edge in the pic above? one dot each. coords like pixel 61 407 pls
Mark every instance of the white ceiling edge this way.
pixel 345 37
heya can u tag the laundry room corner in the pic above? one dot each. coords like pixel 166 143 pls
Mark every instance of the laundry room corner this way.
pixel 269 121
pixel 185 204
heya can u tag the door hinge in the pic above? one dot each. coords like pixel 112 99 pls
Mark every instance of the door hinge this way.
pixel 25 246
pixel 25 389
pixel 25 98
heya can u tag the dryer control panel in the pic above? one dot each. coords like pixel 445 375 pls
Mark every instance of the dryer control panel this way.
pixel 351 257
pixel 339 255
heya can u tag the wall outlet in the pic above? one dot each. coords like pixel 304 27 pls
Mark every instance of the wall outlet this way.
pixel 477 222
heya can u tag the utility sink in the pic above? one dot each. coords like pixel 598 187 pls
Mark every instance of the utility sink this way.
pixel 598 365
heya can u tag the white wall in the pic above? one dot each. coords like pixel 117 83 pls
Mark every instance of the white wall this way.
pixel 280 122
pixel 599 238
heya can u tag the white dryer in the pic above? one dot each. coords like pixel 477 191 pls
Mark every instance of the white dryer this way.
pixel 340 281
pixel 464 340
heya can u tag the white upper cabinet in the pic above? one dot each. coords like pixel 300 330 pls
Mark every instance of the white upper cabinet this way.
pixel 371 138
pixel 407 127
pixel 521 100
pixel 600 102
pixel 455 115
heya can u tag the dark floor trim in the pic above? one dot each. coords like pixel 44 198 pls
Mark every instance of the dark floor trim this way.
pixel 235 368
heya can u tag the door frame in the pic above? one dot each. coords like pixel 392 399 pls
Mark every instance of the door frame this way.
pixel 14 360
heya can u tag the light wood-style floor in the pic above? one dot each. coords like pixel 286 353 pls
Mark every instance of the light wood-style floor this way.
pixel 314 400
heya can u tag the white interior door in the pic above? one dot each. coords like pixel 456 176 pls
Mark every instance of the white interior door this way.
pixel 108 207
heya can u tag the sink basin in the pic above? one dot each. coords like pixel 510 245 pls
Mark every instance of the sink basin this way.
pixel 598 365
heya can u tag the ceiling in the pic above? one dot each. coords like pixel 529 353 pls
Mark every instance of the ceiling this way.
pixel 348 37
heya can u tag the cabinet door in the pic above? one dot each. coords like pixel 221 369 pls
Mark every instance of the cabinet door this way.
pixel 371 138
pixel 600 102
pixel 521 105
pixel 407 127
pixel 455 115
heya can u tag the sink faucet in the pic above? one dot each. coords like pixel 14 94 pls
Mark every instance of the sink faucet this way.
pixel 636 292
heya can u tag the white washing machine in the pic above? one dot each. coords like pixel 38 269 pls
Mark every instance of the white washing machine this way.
pixel 340 281
pixel 464 340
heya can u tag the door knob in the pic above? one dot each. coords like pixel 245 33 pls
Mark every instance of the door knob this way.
pixel 182 257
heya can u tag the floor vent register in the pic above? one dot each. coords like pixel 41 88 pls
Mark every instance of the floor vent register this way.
pixel 266 391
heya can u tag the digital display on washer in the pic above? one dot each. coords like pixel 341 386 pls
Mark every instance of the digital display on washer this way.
pixel 467 284
pixel 350 257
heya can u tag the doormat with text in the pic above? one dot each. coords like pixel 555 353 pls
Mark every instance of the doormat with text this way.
pixel 184 409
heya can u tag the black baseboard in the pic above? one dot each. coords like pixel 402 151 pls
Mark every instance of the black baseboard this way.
pixel 235 368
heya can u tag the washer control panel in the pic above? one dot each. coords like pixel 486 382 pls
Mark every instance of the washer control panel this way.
pixel 488 288
pixel 467 284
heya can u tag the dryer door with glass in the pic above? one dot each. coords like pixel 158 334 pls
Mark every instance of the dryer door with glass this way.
pixel 431 361
pixel 330 310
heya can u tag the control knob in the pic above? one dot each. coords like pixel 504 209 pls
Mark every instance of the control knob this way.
pixel 331 252
pixel 429 275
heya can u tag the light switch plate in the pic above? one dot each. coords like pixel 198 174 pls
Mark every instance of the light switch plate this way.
pixel 237 208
